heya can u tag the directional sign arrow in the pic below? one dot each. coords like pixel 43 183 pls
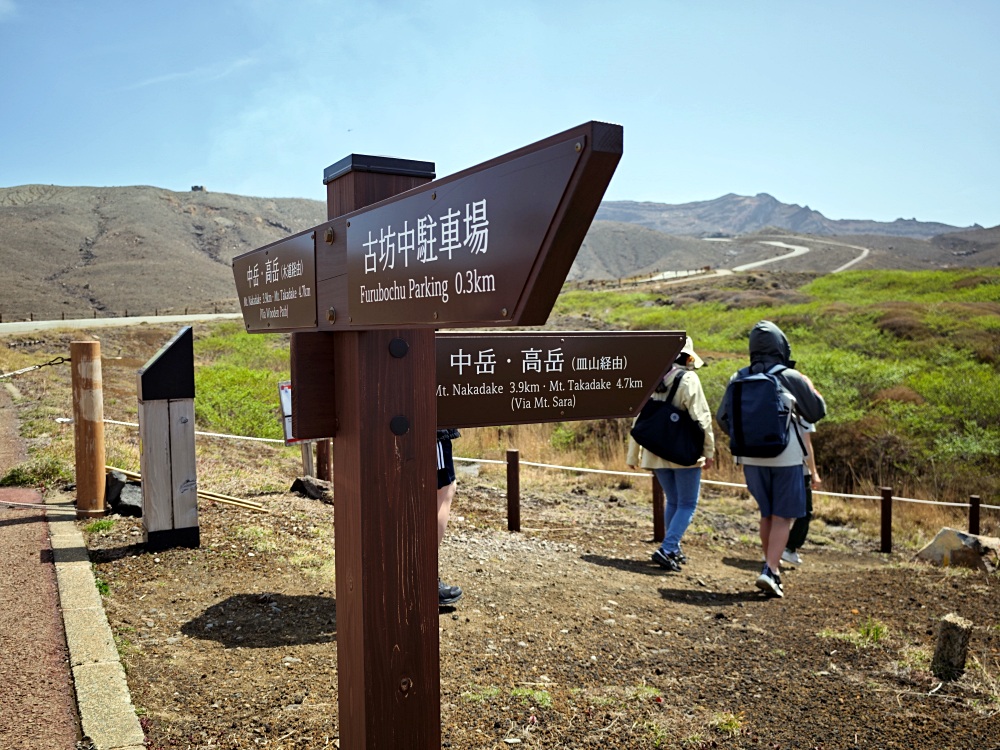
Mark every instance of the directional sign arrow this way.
pixel 525 378
pixel 487 246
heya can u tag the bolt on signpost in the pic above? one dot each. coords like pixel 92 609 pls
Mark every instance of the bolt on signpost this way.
pixel 402 255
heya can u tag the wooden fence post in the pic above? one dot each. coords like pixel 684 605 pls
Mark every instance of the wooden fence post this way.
pixel 308 468
pixel 974 514
pixel 658 528
pixel 324 460
pixel 88 428
pixel 886 520
pixel 513 490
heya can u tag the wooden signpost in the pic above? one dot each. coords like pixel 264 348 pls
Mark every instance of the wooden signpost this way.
pixel 362 294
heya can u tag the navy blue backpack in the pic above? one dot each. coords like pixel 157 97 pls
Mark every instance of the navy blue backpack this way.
pixel 760 419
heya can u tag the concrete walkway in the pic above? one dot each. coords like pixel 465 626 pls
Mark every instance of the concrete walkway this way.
pixel 107 715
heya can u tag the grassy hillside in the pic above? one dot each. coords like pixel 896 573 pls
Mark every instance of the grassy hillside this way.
pixel 907 361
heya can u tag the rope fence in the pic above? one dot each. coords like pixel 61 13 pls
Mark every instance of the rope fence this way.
pixel 207 434
pixel 513 464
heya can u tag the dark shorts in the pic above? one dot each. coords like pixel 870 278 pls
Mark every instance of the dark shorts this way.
pixel 778 490
pixel 445 463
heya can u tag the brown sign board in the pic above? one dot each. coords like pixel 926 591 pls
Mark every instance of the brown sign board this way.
pixel 276 285
pixel 524 378
pixel 459 252
pixel 490 245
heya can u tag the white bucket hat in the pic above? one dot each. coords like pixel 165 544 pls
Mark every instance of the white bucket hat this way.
pixel 688 348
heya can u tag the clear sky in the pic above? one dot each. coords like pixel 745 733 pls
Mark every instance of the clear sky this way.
pixel 861 109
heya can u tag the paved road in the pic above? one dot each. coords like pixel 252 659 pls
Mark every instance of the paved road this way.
pixel 29 326
pixel 796 250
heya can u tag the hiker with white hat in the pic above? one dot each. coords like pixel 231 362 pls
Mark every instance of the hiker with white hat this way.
pixel 681 482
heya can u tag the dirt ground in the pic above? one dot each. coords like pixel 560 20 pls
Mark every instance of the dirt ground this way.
pixel 567 636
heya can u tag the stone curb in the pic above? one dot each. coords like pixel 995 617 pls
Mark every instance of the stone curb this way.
pixel 107 715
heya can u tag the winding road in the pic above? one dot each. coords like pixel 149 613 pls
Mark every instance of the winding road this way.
pixel 802 250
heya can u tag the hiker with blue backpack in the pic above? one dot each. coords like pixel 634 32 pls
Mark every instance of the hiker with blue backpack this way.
pixel 680 457
pixel 761 411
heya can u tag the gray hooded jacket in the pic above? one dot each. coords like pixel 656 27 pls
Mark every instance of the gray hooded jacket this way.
pixel 769 347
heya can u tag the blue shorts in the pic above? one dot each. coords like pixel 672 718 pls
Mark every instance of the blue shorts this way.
pixel 778 490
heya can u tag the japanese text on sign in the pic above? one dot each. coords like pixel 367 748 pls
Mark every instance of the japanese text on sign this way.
pixel 277 284
pixel 430 240
pixel 532 361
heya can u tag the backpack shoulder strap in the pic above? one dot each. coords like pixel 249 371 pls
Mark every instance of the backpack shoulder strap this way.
pixel 674 386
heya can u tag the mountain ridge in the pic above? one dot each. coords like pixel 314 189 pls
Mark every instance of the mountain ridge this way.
pixel 732 214
pixel 81 251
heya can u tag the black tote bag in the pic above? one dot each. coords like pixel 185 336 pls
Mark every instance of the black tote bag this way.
pixel 668 432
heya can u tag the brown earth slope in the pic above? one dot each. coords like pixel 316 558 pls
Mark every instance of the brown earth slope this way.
pixel 567 637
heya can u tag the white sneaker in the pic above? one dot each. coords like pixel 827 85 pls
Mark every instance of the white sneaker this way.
pixel 792 558
pixel 770 583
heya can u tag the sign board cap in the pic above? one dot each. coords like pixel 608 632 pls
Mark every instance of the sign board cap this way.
pixel 169 374
pixel 378 165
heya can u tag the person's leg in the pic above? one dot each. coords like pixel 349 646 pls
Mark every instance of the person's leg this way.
pixel 666 479
pixel 686 486
pixel 765 534
pixel 775 540
pixel 788 501
pixel 800 527
pixel 758 479
pixel 444 497
pixel 668 482
pixel 447 595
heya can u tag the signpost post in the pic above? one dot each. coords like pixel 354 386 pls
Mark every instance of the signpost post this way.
pixel 401 256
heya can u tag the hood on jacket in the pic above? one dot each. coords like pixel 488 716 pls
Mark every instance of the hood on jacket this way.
pixel 768 346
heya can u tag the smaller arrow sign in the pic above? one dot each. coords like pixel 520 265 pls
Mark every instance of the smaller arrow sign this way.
pixel 276 285
pixel 500 379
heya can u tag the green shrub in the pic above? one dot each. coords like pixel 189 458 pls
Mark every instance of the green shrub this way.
pixel 908 362
pixel 237 400
pixel 40 471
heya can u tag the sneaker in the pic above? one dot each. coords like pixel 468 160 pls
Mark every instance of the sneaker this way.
pixel 679 557
pixel 665 561
pixel 448 595
pixel 791 557
pixel 770 582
